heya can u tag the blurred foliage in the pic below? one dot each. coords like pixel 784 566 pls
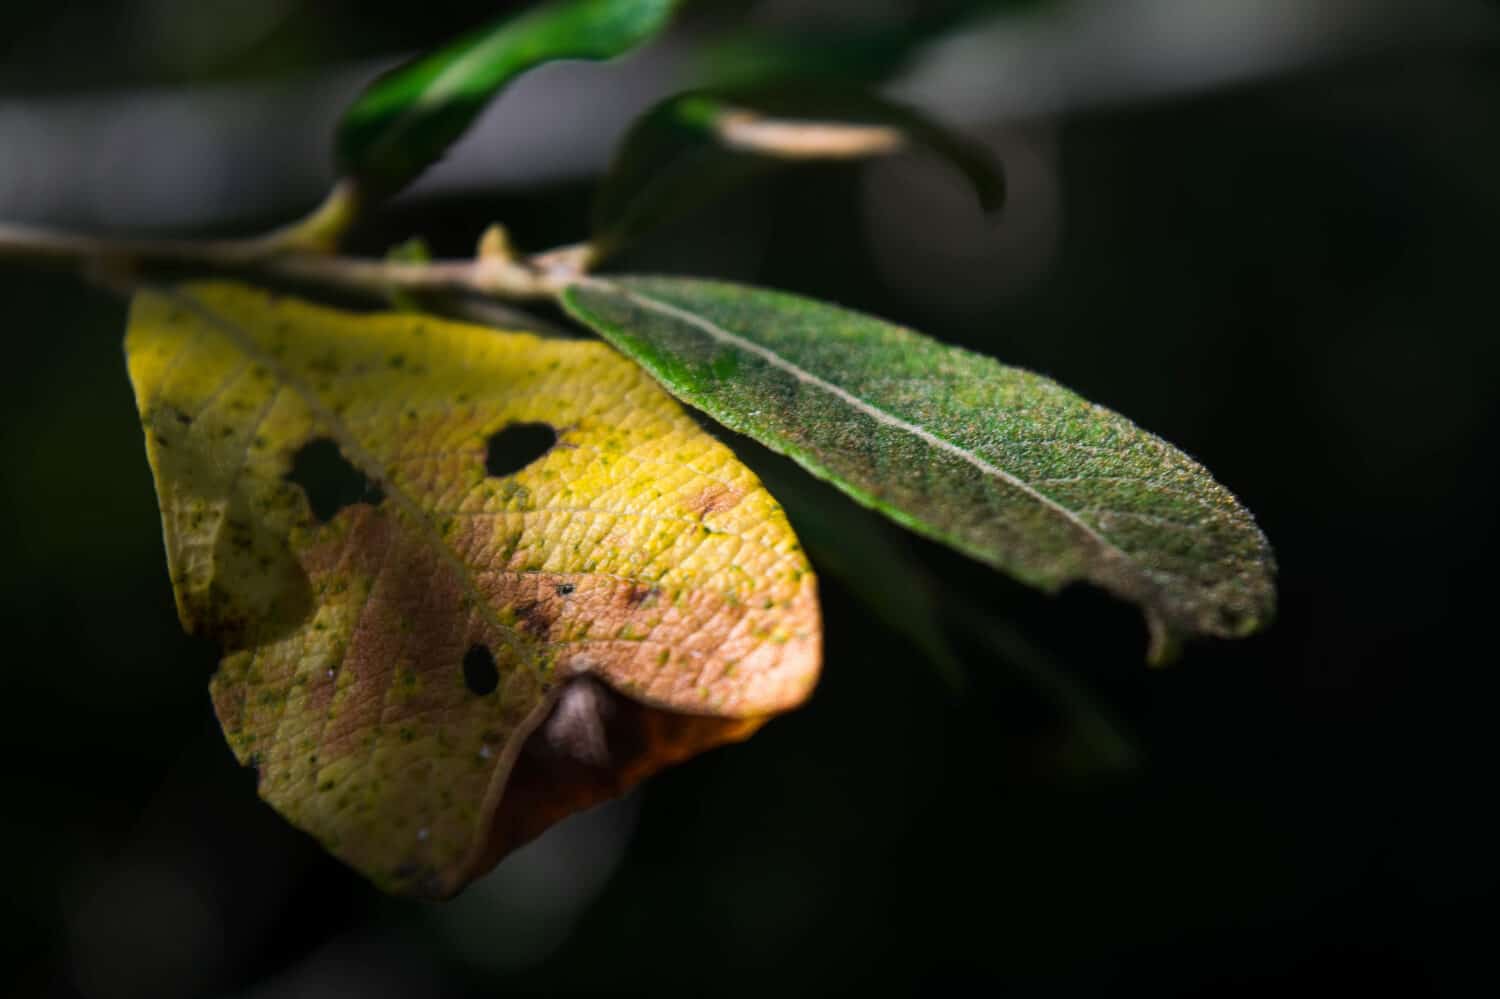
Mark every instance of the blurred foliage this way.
pixel 405 121
pixel 673 160
pixel 50 47
pixel 825 45
pixel 45 46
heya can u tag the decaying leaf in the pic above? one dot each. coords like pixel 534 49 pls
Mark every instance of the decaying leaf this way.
pixel 461 653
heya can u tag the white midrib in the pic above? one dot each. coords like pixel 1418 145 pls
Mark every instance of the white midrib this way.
pixel 874 412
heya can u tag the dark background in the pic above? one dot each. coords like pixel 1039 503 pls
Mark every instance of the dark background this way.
pixel 1291 276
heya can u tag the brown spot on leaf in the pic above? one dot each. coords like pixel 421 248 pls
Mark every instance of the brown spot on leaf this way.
pixel 535 617
pixel 641 595
pixel 715 498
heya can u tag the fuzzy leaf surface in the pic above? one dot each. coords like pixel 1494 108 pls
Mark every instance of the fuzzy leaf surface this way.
pixel 1000 463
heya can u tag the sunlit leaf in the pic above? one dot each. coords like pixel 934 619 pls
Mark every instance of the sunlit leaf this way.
pixel 467 582
pixel 406 120
pixel 1000 463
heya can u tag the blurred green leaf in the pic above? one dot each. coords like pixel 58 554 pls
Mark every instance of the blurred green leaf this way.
pixel 1001 464
pixel 696 146
pixel 861 53
pixel 406 120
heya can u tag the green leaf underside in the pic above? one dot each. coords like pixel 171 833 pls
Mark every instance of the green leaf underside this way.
pixel 407 119
pixel 674 159
pixel 1000 463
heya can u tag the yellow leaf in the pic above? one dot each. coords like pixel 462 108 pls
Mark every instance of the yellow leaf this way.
pixel 411 676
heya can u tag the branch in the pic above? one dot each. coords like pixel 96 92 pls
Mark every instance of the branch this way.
pixel 302 252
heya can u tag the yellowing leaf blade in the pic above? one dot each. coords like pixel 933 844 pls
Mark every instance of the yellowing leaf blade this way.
pixel 636 550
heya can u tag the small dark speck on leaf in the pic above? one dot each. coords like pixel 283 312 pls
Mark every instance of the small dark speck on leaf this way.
pixel 516 446
pixel 565 589
pixel 480 675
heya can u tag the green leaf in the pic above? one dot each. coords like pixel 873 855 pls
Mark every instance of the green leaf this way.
pixel 406 120
pixel 1002 464
pixel 869 50
pixel 696 146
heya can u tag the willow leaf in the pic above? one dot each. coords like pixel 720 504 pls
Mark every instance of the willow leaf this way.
pixel 864 50
pixel 407 119
pixel 695 146
pixel 435 670
pixel 1000 463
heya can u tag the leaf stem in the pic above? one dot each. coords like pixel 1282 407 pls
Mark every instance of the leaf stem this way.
pixel 507 279
pixel 322 229
pixel 303 252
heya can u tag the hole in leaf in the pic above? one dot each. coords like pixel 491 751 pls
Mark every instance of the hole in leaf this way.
pixel 517 446
pixel 480 675
pixel 329 480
